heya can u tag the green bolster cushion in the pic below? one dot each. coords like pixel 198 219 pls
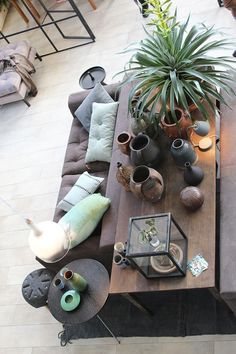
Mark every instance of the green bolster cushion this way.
pixel 83 218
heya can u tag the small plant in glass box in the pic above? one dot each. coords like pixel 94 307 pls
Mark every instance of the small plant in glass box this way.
pixel 157 246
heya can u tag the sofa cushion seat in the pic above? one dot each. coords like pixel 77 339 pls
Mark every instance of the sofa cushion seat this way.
pixel 9 83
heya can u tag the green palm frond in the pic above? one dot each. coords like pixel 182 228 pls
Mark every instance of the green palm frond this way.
pixel 4 3
pixel 180 66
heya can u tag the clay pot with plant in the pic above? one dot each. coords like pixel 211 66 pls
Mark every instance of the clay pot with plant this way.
pixel 175 125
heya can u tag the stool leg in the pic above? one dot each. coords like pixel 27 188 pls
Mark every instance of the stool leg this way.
pixel 104 324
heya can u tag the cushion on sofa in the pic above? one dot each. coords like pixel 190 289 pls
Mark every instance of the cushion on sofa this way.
pixel 101 132
pixel 74 163
pixel 83 218
pixel 84 111
pixel 67 183
pixel 85 185
pixel 9 83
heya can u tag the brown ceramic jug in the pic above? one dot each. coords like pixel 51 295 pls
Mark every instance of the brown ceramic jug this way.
pixel 146 183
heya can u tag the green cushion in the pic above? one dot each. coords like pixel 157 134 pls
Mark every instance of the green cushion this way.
pixel 83 218
pixel 101 132
pixel 84 111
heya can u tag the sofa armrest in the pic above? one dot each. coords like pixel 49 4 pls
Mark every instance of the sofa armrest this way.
pixel 75 99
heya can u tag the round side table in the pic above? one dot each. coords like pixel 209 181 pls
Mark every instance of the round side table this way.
pixel 92 299
pixel 91 77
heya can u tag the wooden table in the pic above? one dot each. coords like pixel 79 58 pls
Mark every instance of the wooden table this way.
pixel 199 226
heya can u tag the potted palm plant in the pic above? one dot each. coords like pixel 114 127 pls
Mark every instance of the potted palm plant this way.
pixel 4 3
pixel 173 68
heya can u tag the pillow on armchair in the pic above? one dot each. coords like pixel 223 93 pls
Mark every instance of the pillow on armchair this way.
pixel 84 111
pixel 101 133
pixel 83 218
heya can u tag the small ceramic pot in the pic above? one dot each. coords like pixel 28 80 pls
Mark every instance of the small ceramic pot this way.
pixel 76 280
pixel 62 271
pixel 120 247
pixel 120 261
pixel 58 283
pixel 193 175
pixel 70 300
pixel 123 140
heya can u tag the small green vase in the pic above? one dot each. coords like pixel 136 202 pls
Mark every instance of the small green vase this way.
pixel 77 282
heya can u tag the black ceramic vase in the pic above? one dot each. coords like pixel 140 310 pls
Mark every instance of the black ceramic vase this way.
pixel 193 175
pixel 182 151
pixel 144 151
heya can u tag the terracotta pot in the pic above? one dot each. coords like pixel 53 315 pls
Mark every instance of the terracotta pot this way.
pixel 174 130
pixel 123 140
pixel 147 183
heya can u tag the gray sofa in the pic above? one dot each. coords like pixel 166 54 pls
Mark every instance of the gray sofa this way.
pixel 74 166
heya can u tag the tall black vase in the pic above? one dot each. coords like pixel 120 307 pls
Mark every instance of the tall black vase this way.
pixel 193 175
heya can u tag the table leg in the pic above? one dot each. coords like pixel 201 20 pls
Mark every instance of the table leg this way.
pixel 20 11
pixel 104 324
pixel 33 9
pixel 133 299
pixel 216 294
pixel 92 3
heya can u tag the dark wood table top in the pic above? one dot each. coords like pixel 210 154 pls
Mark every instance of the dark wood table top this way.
pixel 92 299
pixel 199 226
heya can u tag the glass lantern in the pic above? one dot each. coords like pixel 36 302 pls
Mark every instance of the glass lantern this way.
pixel 157 246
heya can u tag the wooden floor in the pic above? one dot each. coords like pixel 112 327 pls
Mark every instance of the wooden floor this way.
pixel 32 147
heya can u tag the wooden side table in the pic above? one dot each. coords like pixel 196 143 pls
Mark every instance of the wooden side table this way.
pixel 92 300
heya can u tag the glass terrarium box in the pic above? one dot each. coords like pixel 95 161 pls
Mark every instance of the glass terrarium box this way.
pixel 157 246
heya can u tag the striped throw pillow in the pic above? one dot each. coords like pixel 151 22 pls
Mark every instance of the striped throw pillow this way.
pixel 85 185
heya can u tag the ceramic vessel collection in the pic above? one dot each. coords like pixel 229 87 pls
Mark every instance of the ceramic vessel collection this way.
pixel 144 181
pixel 71 284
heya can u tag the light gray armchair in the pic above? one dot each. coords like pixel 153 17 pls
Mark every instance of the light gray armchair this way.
pixel 12 87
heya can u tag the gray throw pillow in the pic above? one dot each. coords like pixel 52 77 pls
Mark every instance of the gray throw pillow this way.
pixel 85 185
pixel 101 133
pixel 84 111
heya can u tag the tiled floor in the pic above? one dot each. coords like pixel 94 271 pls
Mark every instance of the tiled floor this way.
pixel 32 146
